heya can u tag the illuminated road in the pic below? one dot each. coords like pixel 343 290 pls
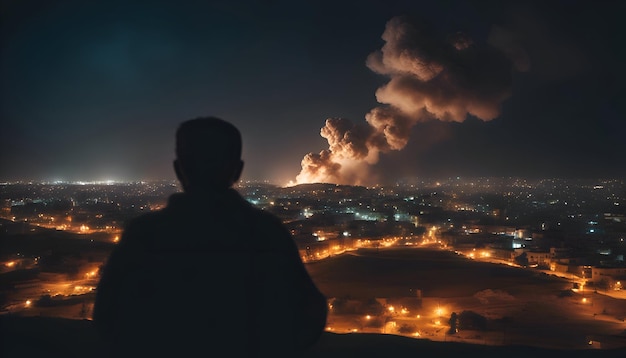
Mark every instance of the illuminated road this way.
pixel 26 295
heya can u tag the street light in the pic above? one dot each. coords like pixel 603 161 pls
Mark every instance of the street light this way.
pixel 439 311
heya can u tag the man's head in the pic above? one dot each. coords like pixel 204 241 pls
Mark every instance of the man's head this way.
pixel 208 154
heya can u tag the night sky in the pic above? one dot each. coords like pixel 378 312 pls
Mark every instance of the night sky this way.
pixel 94 90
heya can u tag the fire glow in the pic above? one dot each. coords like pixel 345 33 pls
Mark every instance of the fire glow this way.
pixel 430 78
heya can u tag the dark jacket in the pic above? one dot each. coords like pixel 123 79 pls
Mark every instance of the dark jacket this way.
pixel 208 273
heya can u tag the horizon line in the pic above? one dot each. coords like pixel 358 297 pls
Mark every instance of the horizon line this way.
pixel 266 181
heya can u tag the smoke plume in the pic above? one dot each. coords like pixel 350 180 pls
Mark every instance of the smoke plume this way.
pixel 430 77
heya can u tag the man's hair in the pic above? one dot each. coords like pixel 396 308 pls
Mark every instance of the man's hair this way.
pixel 208 137
pixel 207 145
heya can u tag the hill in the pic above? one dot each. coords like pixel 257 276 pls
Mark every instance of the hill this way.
pixel 521 306
pixel 56 337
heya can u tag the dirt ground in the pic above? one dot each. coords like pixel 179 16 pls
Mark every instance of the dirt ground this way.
pixel 522 306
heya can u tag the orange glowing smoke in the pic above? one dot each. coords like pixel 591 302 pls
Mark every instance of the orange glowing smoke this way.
pixel 430 78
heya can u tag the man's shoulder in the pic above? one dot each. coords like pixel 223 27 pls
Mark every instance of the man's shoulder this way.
pixel 261 214
pixel 175 208
pixel 147 224
pixel 265 218
pixel 147 219
pixel 270 229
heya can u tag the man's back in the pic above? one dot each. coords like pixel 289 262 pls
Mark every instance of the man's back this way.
pixel 211 273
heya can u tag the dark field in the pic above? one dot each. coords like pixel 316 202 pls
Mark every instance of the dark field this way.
pixel 523 306
pixel 397 272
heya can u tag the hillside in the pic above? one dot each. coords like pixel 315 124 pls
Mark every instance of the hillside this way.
pixel 56 337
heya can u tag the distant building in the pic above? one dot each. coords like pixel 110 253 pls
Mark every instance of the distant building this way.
pixel 508 254
pixel 559 252
pixel 539 258
pixel 5 207
pixel 611 277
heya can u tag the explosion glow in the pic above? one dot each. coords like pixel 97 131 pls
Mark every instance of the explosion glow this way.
pixel 430 78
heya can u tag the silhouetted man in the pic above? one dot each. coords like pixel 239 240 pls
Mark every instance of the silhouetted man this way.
pixel 208 274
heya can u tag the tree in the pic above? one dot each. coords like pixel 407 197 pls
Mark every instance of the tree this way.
pixel 341 305
pixel 522 259
pixel 472 321
pixel 374 322
pixel 406 329
pixel 453 323
pixel 603 284
pixel 373 307
pixel 84 311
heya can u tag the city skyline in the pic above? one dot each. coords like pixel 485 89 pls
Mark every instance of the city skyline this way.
pixel 94 91
pixel 500 248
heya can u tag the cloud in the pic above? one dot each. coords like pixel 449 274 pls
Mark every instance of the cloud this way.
pixel 431 77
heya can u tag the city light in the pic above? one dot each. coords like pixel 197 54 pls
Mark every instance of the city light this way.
pixel 439 311
pixel 345 237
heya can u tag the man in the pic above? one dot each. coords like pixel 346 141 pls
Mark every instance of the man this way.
pixel 209 273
